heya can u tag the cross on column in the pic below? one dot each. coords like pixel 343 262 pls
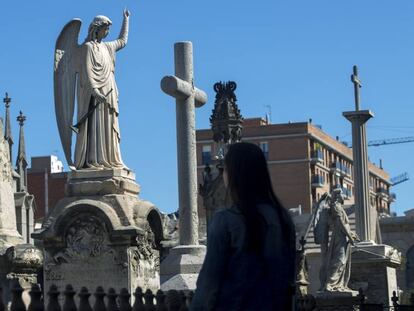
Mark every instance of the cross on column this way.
pixel 7 100
pixel 187 96
pixel 21 118
pixel 366 230
pixel 357 85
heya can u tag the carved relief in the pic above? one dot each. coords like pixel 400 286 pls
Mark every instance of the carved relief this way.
pixel 86 237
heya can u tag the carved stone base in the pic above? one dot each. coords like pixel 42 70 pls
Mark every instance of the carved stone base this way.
pixel 101 182
pixel 180 268
pixel 102 235
pixel 336 301
pixel 374 270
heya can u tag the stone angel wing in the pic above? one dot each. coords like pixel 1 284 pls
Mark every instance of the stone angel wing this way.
pixel 66 67
pixel 321 220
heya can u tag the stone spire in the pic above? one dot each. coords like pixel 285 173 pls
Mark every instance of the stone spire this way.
pixel 226 120
pixel 7 128
pixel 21 161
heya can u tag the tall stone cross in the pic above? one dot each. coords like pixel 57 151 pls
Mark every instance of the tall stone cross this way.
pixel 357 85
pixel 365 225
pixel 187 96
pixel 7 131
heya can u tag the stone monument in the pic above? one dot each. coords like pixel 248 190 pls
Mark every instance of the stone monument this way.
pixel 19 261
pixel 226 125
pixel 101 228
pixel 180 268
pixel 373 264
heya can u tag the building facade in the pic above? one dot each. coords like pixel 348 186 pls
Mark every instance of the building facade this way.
pixel 304 163
pixel 46 180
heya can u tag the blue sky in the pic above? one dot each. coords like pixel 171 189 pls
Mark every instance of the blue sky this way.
pixel 295 56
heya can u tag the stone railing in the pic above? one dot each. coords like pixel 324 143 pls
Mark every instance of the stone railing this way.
pixel 104 301
pixel 310 303
pixel 173 300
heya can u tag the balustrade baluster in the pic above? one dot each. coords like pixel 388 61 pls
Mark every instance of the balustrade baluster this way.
pixel 173 300
pixel 183 301
pixel 160 298
pixel 149 300
pixel 138 304
pixel 124 304
pixel 99 304
pixel 112 304
pixel 36 303
pixel 17 303
pixel 84 304
pixel 53 294
pixel 69 304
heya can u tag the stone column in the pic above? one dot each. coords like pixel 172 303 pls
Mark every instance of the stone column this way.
pixel 358 119
pixel 373 265
pixel 186 151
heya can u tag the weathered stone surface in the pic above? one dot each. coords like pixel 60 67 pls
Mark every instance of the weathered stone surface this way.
pixel 181 86
pixel 113 237
pixel 336 301
pixel 180 269
pixel 8 229
pixel 101 182
pixel 375 266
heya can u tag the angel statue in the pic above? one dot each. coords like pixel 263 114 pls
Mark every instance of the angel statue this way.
pixel 336 255
pixel 88 70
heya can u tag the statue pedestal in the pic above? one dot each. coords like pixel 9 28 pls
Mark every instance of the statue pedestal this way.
pixel 374 270
pixel 179 270
pixel 102 234
pixel 336 301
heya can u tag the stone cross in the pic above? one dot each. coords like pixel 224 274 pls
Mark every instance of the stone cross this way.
pixel 365 227
pixel 21 118
pixel 357 85
pixel 181 87
pixel 7 100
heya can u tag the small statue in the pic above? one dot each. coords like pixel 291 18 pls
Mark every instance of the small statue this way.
pixel 88 70
pixel 336 255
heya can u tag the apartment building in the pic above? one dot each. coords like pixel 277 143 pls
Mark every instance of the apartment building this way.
pixel 304 163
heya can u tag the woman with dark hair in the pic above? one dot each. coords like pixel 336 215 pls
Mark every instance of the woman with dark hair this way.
pixel 250 260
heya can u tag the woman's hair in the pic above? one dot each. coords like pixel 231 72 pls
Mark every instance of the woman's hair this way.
pixel 98 22
pixel 249 184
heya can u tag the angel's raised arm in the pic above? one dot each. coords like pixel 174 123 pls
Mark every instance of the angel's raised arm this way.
pixel 123 35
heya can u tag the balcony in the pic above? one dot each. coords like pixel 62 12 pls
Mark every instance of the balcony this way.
pixel 382 192
pixel 347 193
pixel 317 156
pixel 346 170
pixel 318 181
pixel 393 197
pixel 336 168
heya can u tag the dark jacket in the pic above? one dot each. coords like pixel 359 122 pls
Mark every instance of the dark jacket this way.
pixel 233 278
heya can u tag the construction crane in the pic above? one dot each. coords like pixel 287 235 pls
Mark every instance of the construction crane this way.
pixel 390 141
pixel 399 179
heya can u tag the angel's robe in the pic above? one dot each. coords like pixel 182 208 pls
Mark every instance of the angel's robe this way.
pixel 339 252
pixel 97 144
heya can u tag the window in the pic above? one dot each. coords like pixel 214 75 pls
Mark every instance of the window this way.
pixel 265 148
pixel 206 155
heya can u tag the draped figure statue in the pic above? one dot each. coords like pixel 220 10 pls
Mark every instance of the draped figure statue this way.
pixel 87 70
pixel 336 263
